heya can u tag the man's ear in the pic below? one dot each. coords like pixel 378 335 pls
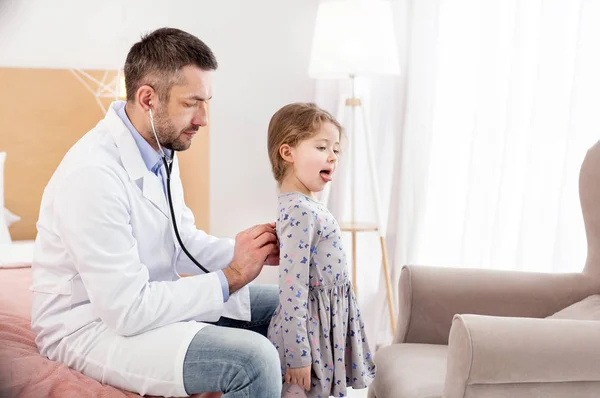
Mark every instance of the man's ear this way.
pixel 285 151
pixel 146 97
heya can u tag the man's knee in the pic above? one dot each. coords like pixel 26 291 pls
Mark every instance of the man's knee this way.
pixel 263 359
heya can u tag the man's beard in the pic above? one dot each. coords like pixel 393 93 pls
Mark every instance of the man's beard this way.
pixel 168 136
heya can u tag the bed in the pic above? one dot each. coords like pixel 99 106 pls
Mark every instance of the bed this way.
pixel 23 371
pixel 35 133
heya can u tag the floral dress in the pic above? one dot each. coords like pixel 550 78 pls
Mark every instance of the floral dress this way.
pixel 317 322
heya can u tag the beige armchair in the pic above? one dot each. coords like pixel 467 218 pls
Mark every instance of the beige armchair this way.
pixel 482 333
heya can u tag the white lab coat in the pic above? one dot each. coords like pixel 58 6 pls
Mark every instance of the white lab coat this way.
pixel 108 299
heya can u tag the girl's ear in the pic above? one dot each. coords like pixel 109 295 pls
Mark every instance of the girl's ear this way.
pixel 285 151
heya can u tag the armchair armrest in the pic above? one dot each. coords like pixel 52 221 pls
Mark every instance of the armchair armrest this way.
pixel 429 297
pixel 505 357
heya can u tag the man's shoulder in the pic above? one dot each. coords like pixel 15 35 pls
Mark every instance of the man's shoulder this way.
pixel 97 145
pixel 92 152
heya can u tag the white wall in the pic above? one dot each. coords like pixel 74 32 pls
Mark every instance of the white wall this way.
pixel 262 48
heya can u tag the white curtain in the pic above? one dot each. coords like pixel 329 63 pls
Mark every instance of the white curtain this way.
pixel 478 143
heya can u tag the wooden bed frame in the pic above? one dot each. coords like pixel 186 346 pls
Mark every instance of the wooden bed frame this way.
pixel 43 112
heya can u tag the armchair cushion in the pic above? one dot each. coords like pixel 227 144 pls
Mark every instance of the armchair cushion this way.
pixel 411 371
pixel 587 309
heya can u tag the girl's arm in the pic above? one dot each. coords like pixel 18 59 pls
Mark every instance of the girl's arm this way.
pixel 296 232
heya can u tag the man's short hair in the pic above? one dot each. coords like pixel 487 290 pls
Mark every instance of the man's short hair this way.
pixel 159 56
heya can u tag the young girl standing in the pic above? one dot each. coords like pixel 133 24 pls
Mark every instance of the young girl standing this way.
pixel 317 327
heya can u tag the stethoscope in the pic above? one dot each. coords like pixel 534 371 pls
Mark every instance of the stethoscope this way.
pixel 168 166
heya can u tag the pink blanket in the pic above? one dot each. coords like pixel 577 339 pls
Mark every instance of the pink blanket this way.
pixel 23 371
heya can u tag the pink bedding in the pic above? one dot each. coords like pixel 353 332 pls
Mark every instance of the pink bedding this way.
pixel 23 371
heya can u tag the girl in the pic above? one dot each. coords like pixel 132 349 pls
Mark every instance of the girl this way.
pixel 317 327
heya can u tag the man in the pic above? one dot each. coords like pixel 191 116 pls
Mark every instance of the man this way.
pixel 108 299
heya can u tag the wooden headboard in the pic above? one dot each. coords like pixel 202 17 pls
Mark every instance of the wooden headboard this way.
pixel 43 112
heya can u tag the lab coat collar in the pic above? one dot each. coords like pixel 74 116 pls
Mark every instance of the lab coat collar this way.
pixel 132 160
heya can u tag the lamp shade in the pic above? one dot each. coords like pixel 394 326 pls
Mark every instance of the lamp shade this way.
pixel 354 37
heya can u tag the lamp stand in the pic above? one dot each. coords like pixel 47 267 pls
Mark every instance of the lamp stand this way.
pixel 353 226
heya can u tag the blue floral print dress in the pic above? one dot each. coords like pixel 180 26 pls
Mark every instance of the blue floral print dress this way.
pixel 317 322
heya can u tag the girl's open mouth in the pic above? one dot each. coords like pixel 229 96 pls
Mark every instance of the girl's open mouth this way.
pixel 326 175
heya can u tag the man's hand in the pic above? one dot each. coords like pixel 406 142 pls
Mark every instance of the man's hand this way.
pixel 252 247
pixel 298 376
pixel 273 257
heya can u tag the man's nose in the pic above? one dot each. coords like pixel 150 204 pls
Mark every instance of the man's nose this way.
pixel 201 116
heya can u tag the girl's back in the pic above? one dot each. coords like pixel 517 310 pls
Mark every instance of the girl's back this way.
pixel 313 230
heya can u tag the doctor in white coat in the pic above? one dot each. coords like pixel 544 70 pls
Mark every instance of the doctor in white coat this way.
pixel 108 297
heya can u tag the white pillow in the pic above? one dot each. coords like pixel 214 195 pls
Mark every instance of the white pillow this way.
pixel 4 235
pixel 17 254
pixel 10 217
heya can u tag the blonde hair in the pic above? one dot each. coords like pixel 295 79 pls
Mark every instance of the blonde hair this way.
pixel 291 125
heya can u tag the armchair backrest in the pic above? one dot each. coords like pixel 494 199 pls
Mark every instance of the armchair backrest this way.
pixel 589 196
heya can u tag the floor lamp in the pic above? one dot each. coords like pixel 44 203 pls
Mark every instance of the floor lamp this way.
pixel 356 38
